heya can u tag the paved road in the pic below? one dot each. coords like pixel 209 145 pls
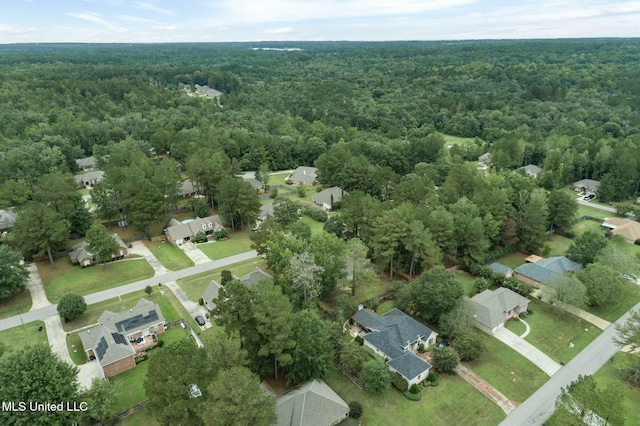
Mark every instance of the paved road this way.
pixel 540 406
pixel 48 311
pixel 596 206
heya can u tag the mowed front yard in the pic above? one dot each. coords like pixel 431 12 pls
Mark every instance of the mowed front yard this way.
pixel 506 370
pixel 16 304
pixel 33 333
pixel 169 255
pixel 553 330
pixel 237 243
pixel 67 278
pixel 630 296
pixel 453 402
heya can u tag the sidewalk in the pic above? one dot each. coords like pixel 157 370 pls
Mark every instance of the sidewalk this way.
pixel 489 391
pixel 527 350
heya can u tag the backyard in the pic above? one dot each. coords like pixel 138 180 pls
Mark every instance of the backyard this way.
pixel 66 278
pixel 453 402
pixel 32 333
pixel 169 255
pixel 506 370
pixel 16 304
pixel 237 243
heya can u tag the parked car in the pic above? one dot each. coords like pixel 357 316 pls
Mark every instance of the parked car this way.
pixel 630 277
pixel 200 320
pixel 443 344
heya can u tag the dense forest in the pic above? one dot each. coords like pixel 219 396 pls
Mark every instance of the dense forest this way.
pixel 369 116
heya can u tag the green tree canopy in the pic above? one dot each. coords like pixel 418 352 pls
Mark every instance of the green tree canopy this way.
pixel 101 244
pixel 71 306
pixel 586 247
pixel 39 230
pixel 13 272
pixel 375 375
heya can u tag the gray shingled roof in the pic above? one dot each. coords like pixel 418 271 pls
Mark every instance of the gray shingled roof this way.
pixel 304 174
pixel 492 306
pixel 254 276
pixel 266 212
pixel 499 268
pixel 177 230
pixel 368 319
pixel 7 218
pixel 324 196
pixel 94 176
pixel 86 162
pixel 144 315
pixel 211 293
pixel 310 404
pixel 547 268
pixel 107 347
pixel 80 250
pixel 532 169
pixel 588 184
pixel 186 188
pixel 409 365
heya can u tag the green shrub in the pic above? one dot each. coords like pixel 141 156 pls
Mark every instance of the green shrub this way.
pixel 160 343
pixel 200 237
pixel 432 377
pixel 421 348
pixel 221 234
pixel 355 409
pixel 315 213
pixel 273 192
pixel 523 314
pixel 414 388
pixel 413 396
pixel 399 382
pixel 201 301
pixel 359 340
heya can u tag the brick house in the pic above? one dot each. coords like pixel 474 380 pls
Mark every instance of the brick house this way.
pixel 80 254
pixel 121 337
pixel 538 270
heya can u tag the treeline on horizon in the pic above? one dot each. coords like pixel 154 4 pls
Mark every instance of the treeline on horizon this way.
pixel 569 106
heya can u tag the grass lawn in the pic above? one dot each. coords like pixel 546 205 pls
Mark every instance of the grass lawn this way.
pixel 453 402
pixel 512 260
pixel 195 285
pixel 367 292
pixel 169 306
pixel 467 281
pixel 594 212
pixel 559 245
pixel 315 226
pixel 169 255
pixel 32 333
pixel 65 277
pixel 385 307
pixel 75 349
pixel 505 369
pixel 130 385
pixel 630 296
pixel 625 247
pixel 552 330
pixel 612 372
pixel 139 418
pixel 237 243
pixel 516 326
pixel 450 140
pixel 581 227
pixel 16 304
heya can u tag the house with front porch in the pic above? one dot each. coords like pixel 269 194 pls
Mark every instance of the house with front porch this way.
pixel 494 308
pixel 80 255
pixel 396 337
pixel 327 197
pixel 120 338
pixel 180 232
pixel 89 179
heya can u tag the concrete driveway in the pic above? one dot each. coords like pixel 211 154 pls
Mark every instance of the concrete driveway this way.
pixel 36 288
pixel 527 350
pixel 194 253
pixel 138 247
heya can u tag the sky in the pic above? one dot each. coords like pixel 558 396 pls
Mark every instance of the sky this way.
pixel 153 21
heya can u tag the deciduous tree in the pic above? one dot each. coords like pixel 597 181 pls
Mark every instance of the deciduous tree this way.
pixel 39 230
pixel 445 359
pixel 71 306
pixel 603 283
pixel 101 400
pixel 13 272
pixel 375 376
pixel 313 352
pixel 586 247
pixel 101 244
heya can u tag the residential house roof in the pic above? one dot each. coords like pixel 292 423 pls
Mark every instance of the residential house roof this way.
pixel 303 174
pixel 500 268
pixel 546 268
pixel 86 162
pixel 144 315
pixel 208 91
pixel 186 188
pixel 485 158
pixel 629 229
pixel 80 250
pixel 94 176
pixel 107 345
pixel 253 277
pixel 588 184
pixel 324 196
pixel 409 365
pixel 491 306
pixel 310 404
pixel 369 319
pixel 266 212
pixel 178 230
pixel 7 218
pixel 211 293
pixel 255 183
pixel 533 258
pixel 532 170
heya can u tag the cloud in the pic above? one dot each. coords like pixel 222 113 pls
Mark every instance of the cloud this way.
pixel 166 27
pixel 152 8
pixel 129 18
pixel 284 30
pixel 97 18
pixel 14 30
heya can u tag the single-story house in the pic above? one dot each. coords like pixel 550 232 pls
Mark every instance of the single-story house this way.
pixel 255 183
pixel 253 277
pixel 629 229
pixel 312 403
pixel 208 91
pixel 542 269
pixel 586 186
pixel 266 212
pixel 485 159
pixel 7 219
pixel 80 254
pixel 86 163
pixel 211 294
pixel 186 189
pixel 89 179
pixel 494 308
pixel 213 289
pixel 532 170
pixel 303 174
pixel 396 336
pixel 501 269
pixel 121 337
pixel 179 232
pixel 327 197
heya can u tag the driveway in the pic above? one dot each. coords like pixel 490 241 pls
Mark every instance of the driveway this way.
pixel 595 206
pixel 194 253
pixel 57 340
pixel 527 350
pixel 192 307
pixel 36 288
pixel 139 248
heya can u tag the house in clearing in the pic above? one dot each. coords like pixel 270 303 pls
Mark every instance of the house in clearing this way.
pixel 396 336
pixel 121 337
pixel 588 186
pixel 532 170
pixel 494 308
pixel 485 159
pixel 213 289
pixel 312 403
pixel 86 163
pixel 80 254
pixel 253 277
pixel 628 229
pixel 89 179
pixel 303 174
pixel 187 189
pixel 7 219
pixel 211 294
pixel 538 270
pixel 327 197
pixel 179 232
